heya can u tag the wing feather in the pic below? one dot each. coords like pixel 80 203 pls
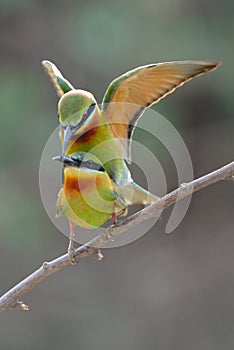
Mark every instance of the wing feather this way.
pixel 130 94
pixel 61 84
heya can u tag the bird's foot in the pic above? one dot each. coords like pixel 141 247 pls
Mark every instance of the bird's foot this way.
pixel 71 253
pixel 114 218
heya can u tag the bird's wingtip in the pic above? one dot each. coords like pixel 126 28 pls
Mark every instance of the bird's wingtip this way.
pixel 46 63
pixel 217 63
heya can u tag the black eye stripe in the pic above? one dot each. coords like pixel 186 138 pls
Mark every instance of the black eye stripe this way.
pixel 83 120
pixel 89 164
pixel 72 161
pixel 88 111
pixel 91 108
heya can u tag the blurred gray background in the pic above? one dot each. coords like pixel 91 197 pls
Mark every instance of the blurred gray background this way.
pixel 162 291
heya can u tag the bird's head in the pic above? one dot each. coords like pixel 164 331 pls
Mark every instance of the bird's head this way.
pixel 75 109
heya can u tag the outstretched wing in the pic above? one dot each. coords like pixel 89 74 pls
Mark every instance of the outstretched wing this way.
pixel 61 84
pixel 141 88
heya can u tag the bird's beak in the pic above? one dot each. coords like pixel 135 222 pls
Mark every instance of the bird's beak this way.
pixel 66 160
pixel 68 132
pixel 59 158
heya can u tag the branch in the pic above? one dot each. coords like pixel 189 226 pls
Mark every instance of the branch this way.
pixel 92 248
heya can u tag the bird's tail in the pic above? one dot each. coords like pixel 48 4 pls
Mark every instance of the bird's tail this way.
pixel 139 196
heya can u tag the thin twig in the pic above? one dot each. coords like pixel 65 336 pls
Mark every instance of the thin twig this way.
pixel 10 299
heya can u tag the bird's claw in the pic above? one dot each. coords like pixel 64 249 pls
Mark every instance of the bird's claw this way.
pixel 71 253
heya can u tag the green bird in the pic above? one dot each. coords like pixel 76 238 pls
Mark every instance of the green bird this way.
pixel 107 131
pixel 88 197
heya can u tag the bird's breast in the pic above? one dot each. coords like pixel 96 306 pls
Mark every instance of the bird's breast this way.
pixel 74 183
pixel 79 180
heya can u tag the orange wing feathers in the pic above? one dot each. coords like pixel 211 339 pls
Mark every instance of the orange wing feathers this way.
pixel 143 87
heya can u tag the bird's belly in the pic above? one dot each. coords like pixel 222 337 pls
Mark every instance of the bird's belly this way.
pixel 87 214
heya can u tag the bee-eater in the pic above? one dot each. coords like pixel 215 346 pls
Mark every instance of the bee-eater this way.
pixel 88 197
pixel 107 131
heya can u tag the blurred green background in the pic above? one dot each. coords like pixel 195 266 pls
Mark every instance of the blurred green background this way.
pixel 162 291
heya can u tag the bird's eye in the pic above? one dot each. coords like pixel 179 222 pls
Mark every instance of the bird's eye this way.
pixel 88 111
pixel 90 164
pixel 85 115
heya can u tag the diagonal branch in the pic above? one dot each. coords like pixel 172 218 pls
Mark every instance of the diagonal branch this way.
pixel 10 299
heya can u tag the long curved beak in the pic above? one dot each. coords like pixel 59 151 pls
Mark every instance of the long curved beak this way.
pixel 68 132
pixel 66 160
pixel 59 158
